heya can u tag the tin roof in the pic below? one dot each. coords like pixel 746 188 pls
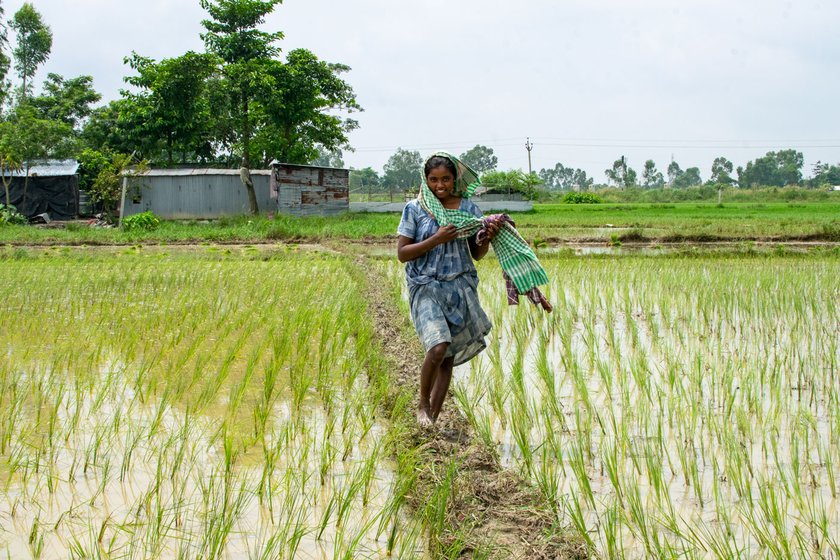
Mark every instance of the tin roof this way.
pixel 48 168
pixel 186 172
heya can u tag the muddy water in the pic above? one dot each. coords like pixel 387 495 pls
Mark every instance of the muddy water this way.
pixel 145 480
pixel 762 398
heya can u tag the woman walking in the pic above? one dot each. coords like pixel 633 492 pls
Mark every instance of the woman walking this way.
pixel 441 233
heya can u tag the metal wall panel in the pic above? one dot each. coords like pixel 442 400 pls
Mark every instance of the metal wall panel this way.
pixel 208 193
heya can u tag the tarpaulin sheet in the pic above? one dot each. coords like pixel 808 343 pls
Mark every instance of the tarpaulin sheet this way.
pixel 57 196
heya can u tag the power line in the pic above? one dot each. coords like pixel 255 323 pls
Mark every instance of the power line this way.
pixel 624 144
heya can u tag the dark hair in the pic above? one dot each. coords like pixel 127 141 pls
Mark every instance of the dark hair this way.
pixel 440 161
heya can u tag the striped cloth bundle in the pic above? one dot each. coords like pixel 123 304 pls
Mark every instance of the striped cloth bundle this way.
pixel 519 263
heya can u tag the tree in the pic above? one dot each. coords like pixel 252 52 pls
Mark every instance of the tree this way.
pixel 513 181
pixel 34 138
pixel 9 157
pixel 365 180
pixel 170 113
pixel 480 158
pixel 68 101
pixel 108 127
pixel 4 59
pixel 580 181
pixel 621 174
pixel 721 170
pixel 402 170
pixel 674 172
pixel 653 178
pixel 34 43
pixel 295 111
pixel 232 34
pixel 775 169
pixel 825 174
pixel 558 178
pixel 564 178
pixel 688 178
pixel 333 158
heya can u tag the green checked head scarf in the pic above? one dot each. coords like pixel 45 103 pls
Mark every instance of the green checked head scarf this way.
pixel 515 256
pixel 466 179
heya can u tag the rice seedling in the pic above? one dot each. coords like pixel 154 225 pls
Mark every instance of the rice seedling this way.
pixel 199 405
pixel 684 405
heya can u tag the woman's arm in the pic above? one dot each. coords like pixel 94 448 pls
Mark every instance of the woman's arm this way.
pixel 478 251
pixel 408 250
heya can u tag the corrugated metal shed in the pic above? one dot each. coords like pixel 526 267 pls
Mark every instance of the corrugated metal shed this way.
pixel 49 168
pixel 213 193
pixel 305 190
pixel 182 194
pixel 191 172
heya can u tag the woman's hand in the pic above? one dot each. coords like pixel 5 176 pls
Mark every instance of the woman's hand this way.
pixel 445 234
pixel 492 228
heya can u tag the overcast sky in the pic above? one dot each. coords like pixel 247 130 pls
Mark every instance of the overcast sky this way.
pixel 586 80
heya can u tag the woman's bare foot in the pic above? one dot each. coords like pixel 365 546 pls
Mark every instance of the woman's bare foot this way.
pixel 424 419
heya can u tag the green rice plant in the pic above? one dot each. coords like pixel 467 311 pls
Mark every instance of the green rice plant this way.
pixel 693 365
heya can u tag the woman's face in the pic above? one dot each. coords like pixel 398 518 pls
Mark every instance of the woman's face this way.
pixel 441 182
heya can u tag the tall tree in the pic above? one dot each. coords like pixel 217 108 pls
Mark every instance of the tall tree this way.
pixel 688 178
pixel 825 174
pixel 4 58
pixel 652 177
pixel 402 170
pixel 232 34
pixel 34 43
pixel 621 174
pixel 329 158
pixel 558 178
pixel 674 172
pixel 564 178
pixel 37 138
pixel 721 171
pixel 775 169
pixel 365 180
pixel 10 157
pixel 170 113
pixel 69 101
pixel 295 111
pixel 480 158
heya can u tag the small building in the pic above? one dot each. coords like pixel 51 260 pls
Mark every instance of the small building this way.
pixel 213 193
pixel 305 190
pixel 52 189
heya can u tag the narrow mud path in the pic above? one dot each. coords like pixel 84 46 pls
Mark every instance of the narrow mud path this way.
pixel 493 511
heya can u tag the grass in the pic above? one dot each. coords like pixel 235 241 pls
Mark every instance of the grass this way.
pixel 224 401
pixel 547 222
pixel 672 406
pixel 200 405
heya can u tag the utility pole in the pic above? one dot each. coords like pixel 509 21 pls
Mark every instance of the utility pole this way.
pixel 529 146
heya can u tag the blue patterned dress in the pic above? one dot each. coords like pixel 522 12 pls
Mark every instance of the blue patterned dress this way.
pixel 443 288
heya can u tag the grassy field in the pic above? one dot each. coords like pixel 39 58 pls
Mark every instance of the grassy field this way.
pixel 553 223
pixel 213 401
pixel 204 405
pixel 671 406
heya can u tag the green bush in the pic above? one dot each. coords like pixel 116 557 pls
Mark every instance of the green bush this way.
pixel 582 198
pixel 145 221
pixel 10 216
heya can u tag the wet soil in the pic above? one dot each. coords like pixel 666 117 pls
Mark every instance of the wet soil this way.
pixel 494 510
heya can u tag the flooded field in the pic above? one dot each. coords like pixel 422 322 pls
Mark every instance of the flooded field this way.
pixel 199 407
pixel 226 402
pixel 671 406
pixel 674 406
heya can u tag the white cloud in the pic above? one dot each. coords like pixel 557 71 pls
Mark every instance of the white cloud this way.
pixel 687 76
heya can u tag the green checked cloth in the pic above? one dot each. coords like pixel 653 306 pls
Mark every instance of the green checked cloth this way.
pixel 517 259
